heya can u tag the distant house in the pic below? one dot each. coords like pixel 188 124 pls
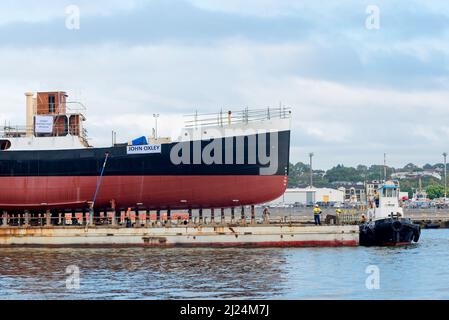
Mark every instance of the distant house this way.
pixel 371 187
pixel 416 174
pixel 354 193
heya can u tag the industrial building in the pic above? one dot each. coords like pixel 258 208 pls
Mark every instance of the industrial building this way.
pixel 308 196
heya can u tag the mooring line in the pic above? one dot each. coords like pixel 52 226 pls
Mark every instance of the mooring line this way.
pixel 91 209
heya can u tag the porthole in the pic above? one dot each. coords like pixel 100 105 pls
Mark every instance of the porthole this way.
pixel 5 144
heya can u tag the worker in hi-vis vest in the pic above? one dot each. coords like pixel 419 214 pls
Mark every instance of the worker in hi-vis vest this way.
pixel 337 215
pixel 317 214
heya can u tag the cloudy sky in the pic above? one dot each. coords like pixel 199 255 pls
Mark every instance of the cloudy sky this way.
pixel 356 92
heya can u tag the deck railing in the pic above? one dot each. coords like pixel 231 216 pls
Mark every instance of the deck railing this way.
pixel 244 116
pixel 9 131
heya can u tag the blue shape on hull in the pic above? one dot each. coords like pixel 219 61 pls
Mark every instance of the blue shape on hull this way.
pixel 140 141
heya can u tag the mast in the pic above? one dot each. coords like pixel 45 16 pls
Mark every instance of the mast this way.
pixel 419 185
pixel 445 176
pixel 311 170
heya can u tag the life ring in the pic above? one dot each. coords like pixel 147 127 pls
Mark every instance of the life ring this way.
pixel 396 225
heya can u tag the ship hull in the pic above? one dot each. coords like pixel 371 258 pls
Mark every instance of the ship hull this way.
pixel 152 192
pixel 389 232
pixel 68 179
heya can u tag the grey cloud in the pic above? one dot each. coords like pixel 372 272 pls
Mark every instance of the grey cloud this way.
pixel 155 22
pixel 340 48
pixel 174 58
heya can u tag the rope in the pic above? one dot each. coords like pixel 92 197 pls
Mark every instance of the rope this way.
pixel 98 187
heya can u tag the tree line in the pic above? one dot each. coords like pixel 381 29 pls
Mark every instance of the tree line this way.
pixel 299 176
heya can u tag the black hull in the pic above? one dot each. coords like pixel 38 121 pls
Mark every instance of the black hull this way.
pixel 389 232
pixel 249 170
pixel 89 161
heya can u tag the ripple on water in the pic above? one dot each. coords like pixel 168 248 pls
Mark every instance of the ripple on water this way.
pixel 418 271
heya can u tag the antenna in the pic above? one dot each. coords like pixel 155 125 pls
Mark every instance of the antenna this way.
pixel 311 170
pixel 385 166
pixel 445 176
pixel 155 115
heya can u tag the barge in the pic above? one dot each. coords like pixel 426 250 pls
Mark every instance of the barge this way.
pixel 184 236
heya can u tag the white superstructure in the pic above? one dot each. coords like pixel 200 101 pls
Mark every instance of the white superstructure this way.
pixel 236 123
pixel 52 123
pixel 45 143
pixel 388 202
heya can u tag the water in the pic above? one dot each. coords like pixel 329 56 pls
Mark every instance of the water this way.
pixel 416 272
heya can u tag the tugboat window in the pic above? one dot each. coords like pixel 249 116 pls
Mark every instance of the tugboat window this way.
pixel 51 104
pixel 390 193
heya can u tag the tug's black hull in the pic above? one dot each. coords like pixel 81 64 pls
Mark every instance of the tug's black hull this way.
pixel 389 232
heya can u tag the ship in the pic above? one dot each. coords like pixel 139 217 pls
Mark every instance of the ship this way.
pixel 220 160
pixel 386 224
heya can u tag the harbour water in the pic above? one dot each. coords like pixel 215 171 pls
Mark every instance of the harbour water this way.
pixel 415 272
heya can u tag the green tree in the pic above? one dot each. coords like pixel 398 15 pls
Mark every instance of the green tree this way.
pixel 342 173
pixel 408 185
pixel 435 191
pixel 299 176
pixel 376 172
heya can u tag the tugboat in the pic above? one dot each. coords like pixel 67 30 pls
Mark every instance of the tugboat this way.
pixel 385 223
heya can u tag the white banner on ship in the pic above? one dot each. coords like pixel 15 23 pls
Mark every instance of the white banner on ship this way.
pixel 146 148
pixel 43 124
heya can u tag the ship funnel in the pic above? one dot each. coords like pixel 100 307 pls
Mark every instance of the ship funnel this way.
pixel 30 113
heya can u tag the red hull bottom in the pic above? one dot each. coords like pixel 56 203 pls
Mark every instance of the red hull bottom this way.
pixel 152 192
pixel 324 243
pixel 268 244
